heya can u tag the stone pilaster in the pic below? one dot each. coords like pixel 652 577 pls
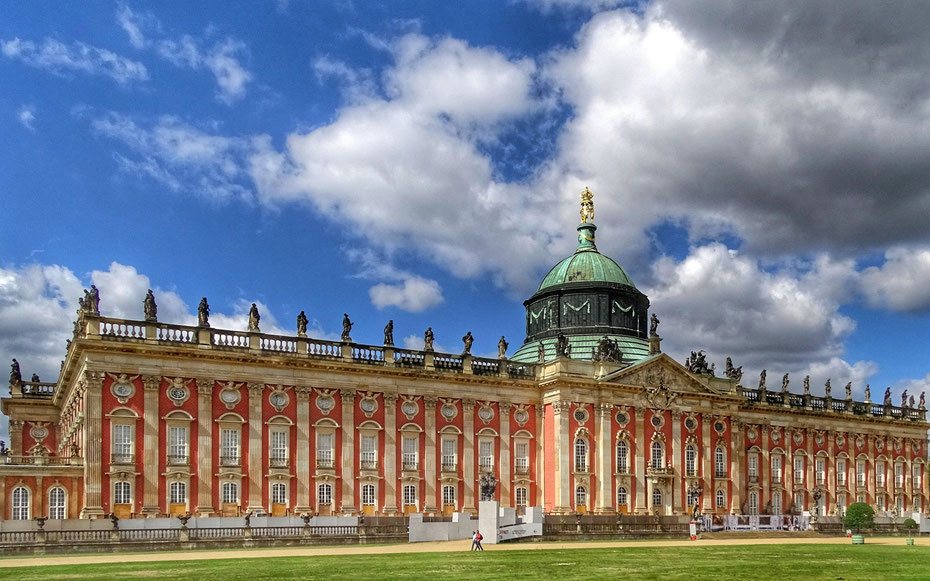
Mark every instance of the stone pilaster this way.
pixel 540 456
pixel 255 446
pixel 16 437
pixel 737 456
pixel 602 465
pixel 639 455
pixel 506 483
pixel 430 503
pixel 765 470
pixel 390 453
pixel 92 385
pixel 830 474
pixel 349 472
pixel 811 463
pixel 468 455
pixel 150 425
pixel 205 447
pixel 563 466
pixel 304 470
pixel 707 466
pixel 674 501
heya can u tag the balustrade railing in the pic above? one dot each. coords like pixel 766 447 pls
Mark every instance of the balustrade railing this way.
pixel 481 366
pixel 278 344
pixel 122 459
pixel 230 461
pixel 176 333
pixel 123 329
pixel 178 459
pixel 37 389
pixel 819 403
pixel 406 358
pixel 231 339
pixel 278 462
pixel 368 354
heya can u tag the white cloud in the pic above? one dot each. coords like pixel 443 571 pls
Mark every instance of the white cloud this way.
pixel 181 156
pixel 59 58
pixel 222 59
pixel 133 24
pixel 902 283
pixel 26 116
pixel 414 294
pixel 587 5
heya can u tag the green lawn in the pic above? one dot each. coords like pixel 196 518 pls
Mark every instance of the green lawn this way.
pixel 752 562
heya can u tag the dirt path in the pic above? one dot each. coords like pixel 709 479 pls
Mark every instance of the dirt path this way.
pixel 432 547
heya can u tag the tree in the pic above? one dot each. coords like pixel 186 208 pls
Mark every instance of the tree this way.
pixel 859 515
pixel 910 525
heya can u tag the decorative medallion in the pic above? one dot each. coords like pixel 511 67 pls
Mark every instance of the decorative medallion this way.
pixel 751 433
pixel 278 398
pixel 368 405
pixel 916 447
pixel 720 427
pixel 818 438
pixel 230 394
pixel 39 432
pixel 860 442
pixel 840 440
pixel 448 411
pixel 879 444
pixel 897 444
pixel 581 415
pixel 798 436
pixel 657 420
pixel 410 407
pixel 776 435
pixel 178 391
pixel 622 418
pixel 122 387
pixel 325 402
pixel 486 413
pixel 521 416
pixel 691 423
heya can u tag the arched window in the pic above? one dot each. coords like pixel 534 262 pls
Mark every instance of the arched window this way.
pixel 776 503
pixel 721 499
pixel 753 503
pixel 56 503
pixel 581 497
pixel 448 495
pixel 622 457
pixel 21 503
pixel 520 495
pixel 278 493
pixel 621 496
pixel 720 463
pixel 581 455
pixel 657 455
pixel 690 460
pixel 230 493
pixel 178 493
pixel 325 494
pixel 122 493
pixel 656 497
pixel 410 495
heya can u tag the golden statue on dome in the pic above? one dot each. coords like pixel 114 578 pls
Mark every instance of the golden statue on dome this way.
pixel 587 206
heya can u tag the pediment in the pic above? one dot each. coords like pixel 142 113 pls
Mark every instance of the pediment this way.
pixel 660 374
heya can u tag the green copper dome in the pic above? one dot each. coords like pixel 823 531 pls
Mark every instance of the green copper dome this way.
pixel 586 265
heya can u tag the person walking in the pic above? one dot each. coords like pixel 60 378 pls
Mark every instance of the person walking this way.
pixel 478 539
pixel 474 540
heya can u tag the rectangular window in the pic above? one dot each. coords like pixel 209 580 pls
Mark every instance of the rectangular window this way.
pixel 229 447
pixel 819 468
pixel 278 457
pixel 448 495
pixel 486 455
pixel 122 443
pixel 841 472
pixel 368 495
pixel 880 502
pixel 410 495
pixel 880 474
pixel 324 450
pixel 776 503
pixel 860 473
pixel 177 444
pixel 690 462
pixel 369 452
pixel 720 463
pixel 799 470
pixel 753 467
pixel 520 495
pixel 841 503
pixel 230 493
pixel 325 494
pixel 799 500
pixel 122 493
pixel 776 471
pixel 623 457
pixel 278 493
pixel 178 493
pixel 522 458
pixel 899 475
pixel 409 453
pixel 56 503
pixel 449 449
pixel 916 470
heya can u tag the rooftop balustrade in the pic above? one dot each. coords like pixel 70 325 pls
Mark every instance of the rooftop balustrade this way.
pixel 832 405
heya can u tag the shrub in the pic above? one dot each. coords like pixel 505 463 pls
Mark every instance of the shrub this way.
pixel 910 525
pixel 859 516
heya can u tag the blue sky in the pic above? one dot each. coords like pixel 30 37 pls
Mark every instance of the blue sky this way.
pixel 759 170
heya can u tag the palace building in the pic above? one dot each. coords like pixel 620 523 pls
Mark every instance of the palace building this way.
pixel 150 418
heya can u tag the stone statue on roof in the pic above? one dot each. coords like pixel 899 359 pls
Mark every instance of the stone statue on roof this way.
pixel 203 313
pixel 887 398
pixel 16 376
pixel 827 388
pixel 762 380
pixel 807 385
pixel 654 326
pixel 389 333
pixel 467 340
pixel 428 339
pixel 150 308
pixel 849 391
pixel 587 206
pixel 922 404
pixel 904 398
pixel 346 328
pixel 562 348
pixel 784 383
pixel 254 318
pixel 302 324
pixel 868 393
pixel 502 348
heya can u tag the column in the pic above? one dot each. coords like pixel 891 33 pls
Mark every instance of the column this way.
pixel 540 456
pixel 205 447
pixel 255 446
pixel 674 502
pixel 304 470
pixel 93 439
pixel 16 438
pixel 348 451
pixel 604 475
pixel 707 466
pixel 737 456
pixel 506 482
pixel 468 455
pixel 430 504
pixel 830 474
pixel 639 455
pixel 150 503
pixel 563 466
pixel 765 470
pixel 811 462
pixel 390 453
